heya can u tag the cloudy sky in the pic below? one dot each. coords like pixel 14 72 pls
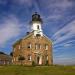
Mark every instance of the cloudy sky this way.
pixel 58 24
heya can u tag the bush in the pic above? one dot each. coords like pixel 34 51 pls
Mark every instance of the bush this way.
pixel 47 63
pixel 33 63
pixel 21 58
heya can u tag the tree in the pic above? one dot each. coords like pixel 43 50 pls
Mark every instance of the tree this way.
pixel 2 53
pixel 21 58
pixel 11 54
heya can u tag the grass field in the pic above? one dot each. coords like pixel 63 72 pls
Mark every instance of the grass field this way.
pixel 37 70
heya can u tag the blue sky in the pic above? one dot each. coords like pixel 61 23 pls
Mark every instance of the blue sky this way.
pixel 58 24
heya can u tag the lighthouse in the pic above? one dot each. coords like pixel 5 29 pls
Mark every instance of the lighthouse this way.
pixel 35 47
pixel 37 25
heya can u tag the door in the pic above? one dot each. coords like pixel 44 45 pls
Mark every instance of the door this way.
pixel 38 60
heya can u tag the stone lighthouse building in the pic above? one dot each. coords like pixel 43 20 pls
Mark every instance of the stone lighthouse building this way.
pixel 34 47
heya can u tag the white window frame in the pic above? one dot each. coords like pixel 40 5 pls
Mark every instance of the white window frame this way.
pixel 29 45
pixel 46 46
pixel 14 59
pixel 36 46
pixel 14 49
pixel 39 46
pixel 38 27
pixel 47 57
pixel 19 47
pixel 29 57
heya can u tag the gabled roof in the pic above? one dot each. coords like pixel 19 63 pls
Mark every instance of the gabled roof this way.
pixel 47 38
pixel 18 41
pixel 43 36
pixel 5 57
pixel 28 35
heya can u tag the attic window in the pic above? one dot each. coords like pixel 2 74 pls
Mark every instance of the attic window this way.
pixel 38 35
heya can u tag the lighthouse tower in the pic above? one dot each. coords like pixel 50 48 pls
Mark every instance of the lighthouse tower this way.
pixel 36 24
pixel 35 47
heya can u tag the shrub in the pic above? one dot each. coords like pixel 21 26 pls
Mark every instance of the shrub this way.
pixel 21 58
pixel 33 63
pixel 47 63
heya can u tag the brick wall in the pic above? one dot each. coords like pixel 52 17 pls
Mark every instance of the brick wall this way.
pixel 22 48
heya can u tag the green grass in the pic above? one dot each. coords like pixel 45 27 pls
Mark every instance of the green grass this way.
pixel 37 70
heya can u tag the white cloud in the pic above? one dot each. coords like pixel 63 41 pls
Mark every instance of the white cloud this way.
pixel 64 44
pixel 9 29
pixel 64 59
pixel 68 31
pixel 67 45
pixel 61 4
pixel 57 8
pixel 54 17
pixel 23 2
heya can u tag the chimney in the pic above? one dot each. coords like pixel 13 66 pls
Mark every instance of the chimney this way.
pixel 27 33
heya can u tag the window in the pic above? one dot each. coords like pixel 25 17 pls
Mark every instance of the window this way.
pixel 38 35
pixel 19 46
pixel 46 47
pixel 37 26
pixel 47 57
pixel 14 59
pixel 37 46
pixel 14 49
pixel 29 45
pixel 29 57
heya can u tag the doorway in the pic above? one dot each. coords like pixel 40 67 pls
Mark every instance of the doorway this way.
pixel 39 60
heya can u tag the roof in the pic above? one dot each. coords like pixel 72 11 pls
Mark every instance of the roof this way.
pixel 5 57
pixel 31 33
pixel 47 38
pixel 28 35
pixel 18 41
